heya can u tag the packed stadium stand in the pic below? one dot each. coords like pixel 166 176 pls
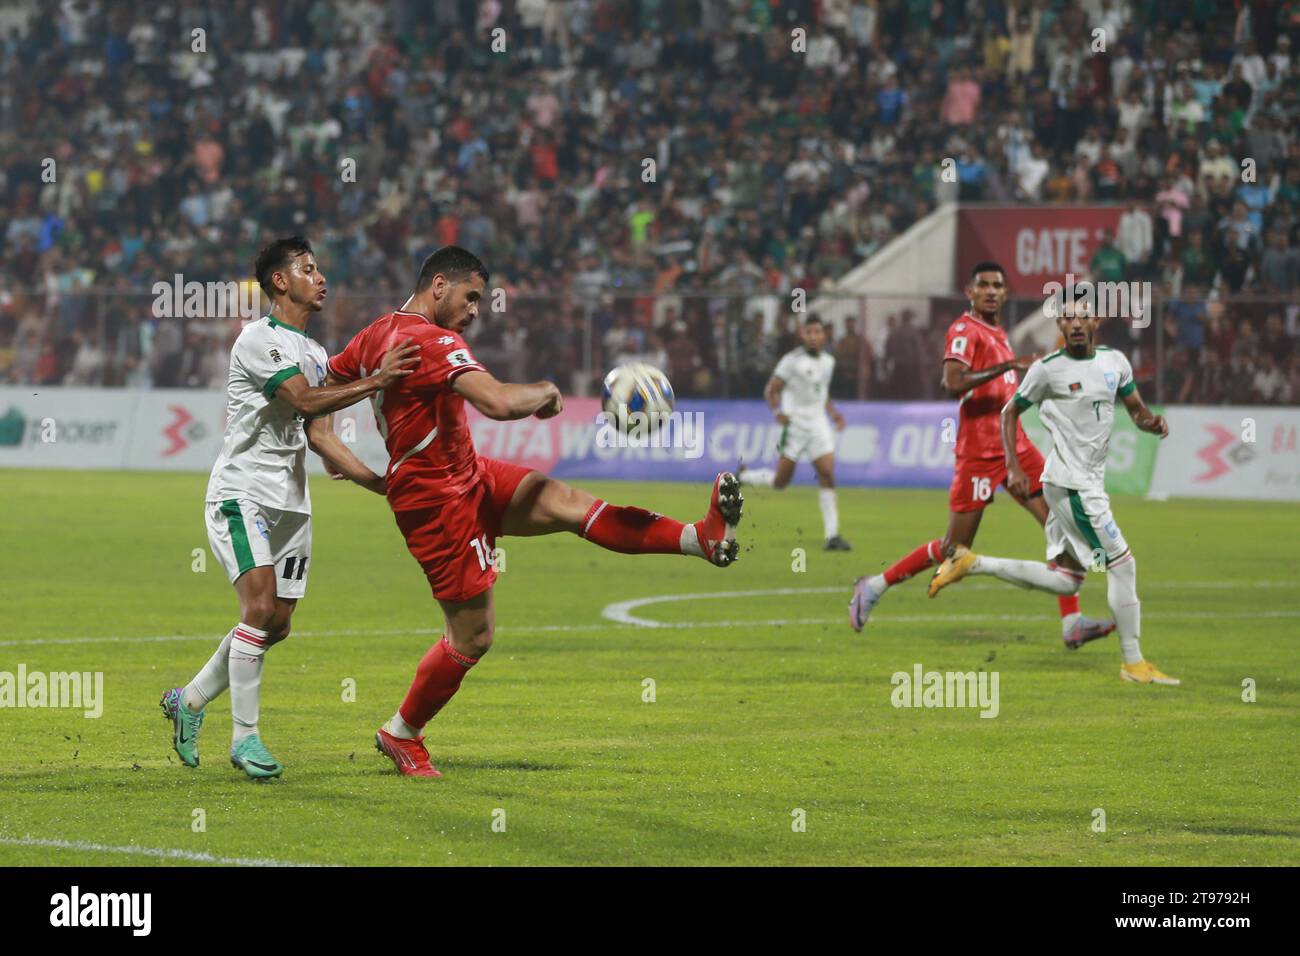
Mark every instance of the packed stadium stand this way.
pixel 647 178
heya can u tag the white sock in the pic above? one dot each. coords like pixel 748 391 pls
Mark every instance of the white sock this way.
pixel 878 583
pixel 247 648
pixel 1067 622
pixel 830 511
pixel 400 728
pixel 690 544
pixel 1122 596
pixel 1028 574
pixel 763 477
pixel 212 678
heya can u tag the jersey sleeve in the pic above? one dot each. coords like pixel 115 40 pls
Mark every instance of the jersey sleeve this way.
pixel 1034 387
pixel 263 361
pixel 347 364
pixel 962 344
pixel 444 356
pixel 785 368
pixel 1126 384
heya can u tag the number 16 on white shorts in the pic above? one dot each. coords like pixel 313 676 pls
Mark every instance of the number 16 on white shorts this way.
pixel 246 535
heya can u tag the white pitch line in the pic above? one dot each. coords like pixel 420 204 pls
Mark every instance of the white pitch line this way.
pixel 619 614
pixel 159 853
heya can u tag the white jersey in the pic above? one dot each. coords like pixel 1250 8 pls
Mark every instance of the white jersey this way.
pixel 807 379
pixel 264 454
pixel 1078 409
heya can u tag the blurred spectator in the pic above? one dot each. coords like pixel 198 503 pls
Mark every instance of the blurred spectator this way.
pixel 772 171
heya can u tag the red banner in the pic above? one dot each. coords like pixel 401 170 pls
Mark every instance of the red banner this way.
pixel 1035 244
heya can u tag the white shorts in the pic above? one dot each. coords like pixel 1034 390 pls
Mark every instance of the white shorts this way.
pixel 245 535
pixel 1080 522
pixel 803 441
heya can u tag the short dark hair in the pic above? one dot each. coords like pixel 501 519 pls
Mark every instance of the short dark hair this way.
pixel 277 256
pixel 987 265
pixel 814 319
pixel 455 263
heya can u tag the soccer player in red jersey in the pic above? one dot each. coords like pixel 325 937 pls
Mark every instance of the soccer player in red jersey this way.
pixel 980 367
pixel 451 504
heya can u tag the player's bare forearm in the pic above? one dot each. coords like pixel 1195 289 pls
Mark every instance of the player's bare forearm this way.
pixel 958 379
pixel 1145 419
pixel 834 413
pixel 324 399
pixel 772 395
pixel 1010 422
pixel 1017 480
pixel 336 394
pixel 507 401
pixel 338 458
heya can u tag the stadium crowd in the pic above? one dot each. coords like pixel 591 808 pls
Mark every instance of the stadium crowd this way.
pixel 640 175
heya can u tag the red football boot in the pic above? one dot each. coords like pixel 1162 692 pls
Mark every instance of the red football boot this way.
pixel 410 756
pixel 717 530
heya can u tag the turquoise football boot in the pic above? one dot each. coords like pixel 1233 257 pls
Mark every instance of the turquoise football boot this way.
pixel 251 756
pixel 185 726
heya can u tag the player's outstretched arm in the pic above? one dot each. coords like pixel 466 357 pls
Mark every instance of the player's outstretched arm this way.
pixel 1017 480
pixel 339 460
pixel 959 378
pixel 1143 417
pixel 505 401
pixel 399 361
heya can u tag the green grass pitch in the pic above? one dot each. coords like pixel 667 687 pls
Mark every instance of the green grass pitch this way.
pixel 751 723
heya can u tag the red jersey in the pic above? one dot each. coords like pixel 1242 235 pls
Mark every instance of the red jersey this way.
pixel 976 344
pixel 431 455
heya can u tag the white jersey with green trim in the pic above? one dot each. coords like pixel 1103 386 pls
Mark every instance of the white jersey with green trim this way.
pixel 264 454
pixel 1077 398
pixel 807 379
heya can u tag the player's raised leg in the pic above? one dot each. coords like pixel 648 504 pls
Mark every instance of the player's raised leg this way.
pixel 778 477
pixel 1076 628
pixel 1081 522
pixel 545 505
pixel 867 591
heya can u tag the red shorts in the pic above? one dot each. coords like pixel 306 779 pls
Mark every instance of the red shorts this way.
pixel 455 540
pixel 975 479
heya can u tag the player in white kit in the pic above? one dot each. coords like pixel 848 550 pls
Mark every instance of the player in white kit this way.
pixel 258 509
pixel 1076 388
pixel 799 395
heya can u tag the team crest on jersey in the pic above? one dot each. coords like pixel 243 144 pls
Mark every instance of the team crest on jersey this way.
pixel 1076 386
pixel 320 374
pixel 446 340
pixel 275 356
pixel 959 326
pixel 1110 380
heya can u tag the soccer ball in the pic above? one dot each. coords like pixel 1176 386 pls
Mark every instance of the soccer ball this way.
pixel 636 387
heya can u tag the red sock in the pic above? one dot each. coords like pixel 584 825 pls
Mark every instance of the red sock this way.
pixel 1068 604
pixel 916 562
pixel 436 681
pixel 631 530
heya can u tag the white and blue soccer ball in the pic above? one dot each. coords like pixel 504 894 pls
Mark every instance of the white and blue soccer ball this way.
pixel 636 387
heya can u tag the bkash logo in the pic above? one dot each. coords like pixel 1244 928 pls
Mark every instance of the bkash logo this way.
pixel 1213 454
pixel 181 431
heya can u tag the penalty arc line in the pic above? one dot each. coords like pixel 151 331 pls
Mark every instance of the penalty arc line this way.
pixel 156 852
pixel 620 612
